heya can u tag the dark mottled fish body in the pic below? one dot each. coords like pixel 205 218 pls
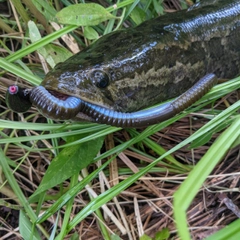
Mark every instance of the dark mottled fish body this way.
pixel 158 60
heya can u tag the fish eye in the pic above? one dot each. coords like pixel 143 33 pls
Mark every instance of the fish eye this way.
pixel 100 78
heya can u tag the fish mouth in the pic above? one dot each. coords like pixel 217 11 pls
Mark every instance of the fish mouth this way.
pixel 80 115
pixel 59 95
pixel 85 95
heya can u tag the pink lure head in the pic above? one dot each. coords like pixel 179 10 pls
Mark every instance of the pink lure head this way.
pixel 13 89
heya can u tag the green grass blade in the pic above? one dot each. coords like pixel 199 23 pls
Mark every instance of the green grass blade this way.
pixel 57 205
pixel 26 229
pixel 231 232
pixel 40 43
pixel 191 185
pixel 13 183
pixel 13 68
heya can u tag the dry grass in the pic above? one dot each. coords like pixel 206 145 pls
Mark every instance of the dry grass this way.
pixel 146 206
